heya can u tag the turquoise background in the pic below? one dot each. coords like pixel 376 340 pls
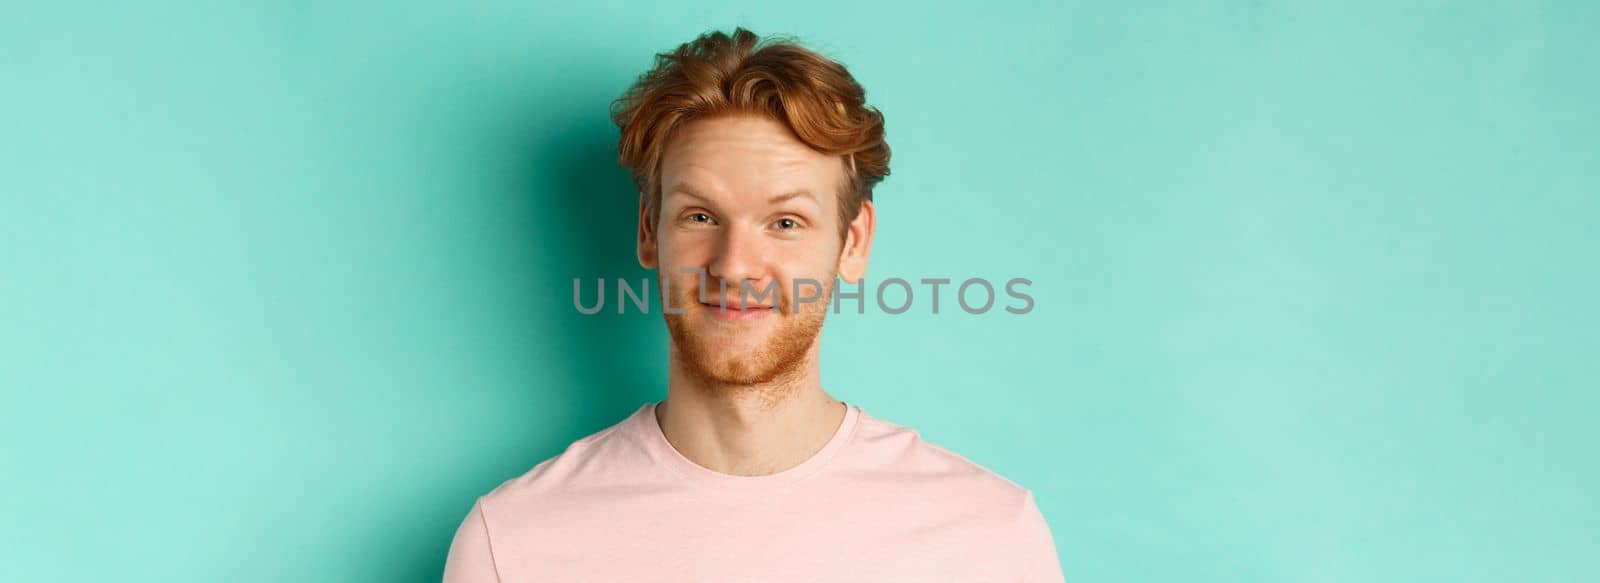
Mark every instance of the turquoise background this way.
pixel 284 286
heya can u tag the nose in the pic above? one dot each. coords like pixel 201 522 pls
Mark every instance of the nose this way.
pixel 740 257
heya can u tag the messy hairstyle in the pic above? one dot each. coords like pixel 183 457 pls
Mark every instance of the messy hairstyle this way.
pixel 718 74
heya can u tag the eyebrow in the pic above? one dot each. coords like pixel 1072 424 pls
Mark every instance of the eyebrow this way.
pixel 786 196
pixel 691 192
pixel 687 191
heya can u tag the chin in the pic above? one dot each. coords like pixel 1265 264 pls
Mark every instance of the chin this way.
pixel 742 351
pixel 731 346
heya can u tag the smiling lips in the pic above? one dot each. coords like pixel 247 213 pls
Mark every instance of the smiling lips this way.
pixel 737 310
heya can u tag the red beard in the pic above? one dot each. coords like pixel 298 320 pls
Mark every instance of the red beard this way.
pixel 702 353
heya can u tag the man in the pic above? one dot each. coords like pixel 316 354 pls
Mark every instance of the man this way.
pixel 755 163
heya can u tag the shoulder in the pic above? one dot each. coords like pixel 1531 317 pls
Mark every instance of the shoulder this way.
pixel 605 456
pixel 934 480
pixel 902 455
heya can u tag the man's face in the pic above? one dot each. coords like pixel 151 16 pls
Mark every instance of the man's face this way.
pixel 748 208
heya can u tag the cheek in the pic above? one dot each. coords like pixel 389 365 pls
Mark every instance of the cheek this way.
pixel 676 251
pixel 813 255
pixel 814 263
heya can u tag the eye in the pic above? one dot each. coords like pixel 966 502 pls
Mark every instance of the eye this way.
pixel 786 224
pixel 698 218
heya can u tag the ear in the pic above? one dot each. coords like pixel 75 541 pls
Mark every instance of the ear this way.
pixel 647 235
pixel 858 244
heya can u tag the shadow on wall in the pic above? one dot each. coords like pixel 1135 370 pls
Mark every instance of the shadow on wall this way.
pixel 580 212
pixel 617 359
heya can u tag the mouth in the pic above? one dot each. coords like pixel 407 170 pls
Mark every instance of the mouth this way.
pixel 737 312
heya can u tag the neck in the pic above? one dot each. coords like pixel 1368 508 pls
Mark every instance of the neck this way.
pixel 749 430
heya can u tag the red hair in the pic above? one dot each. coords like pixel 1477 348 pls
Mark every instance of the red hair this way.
pixel 717 74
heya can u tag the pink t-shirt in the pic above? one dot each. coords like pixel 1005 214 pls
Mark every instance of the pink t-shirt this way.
pixel 876 503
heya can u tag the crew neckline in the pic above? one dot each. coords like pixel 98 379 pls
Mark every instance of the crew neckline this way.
pixel 656 440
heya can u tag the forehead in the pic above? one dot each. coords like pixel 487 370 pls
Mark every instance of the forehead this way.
pixel 746 155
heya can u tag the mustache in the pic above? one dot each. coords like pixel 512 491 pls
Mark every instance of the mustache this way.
pixel 771 294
